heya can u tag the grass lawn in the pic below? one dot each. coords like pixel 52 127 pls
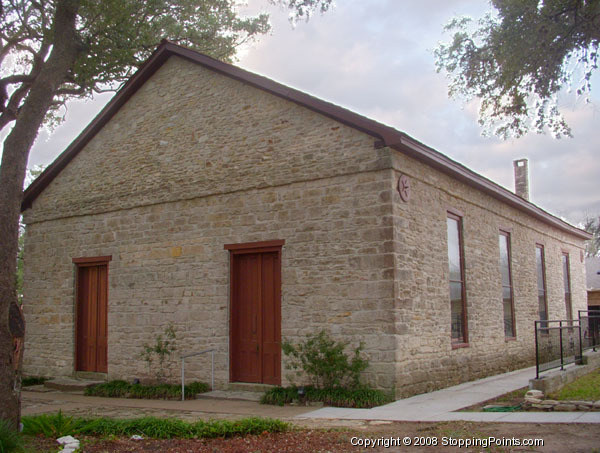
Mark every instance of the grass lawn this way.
pixel 586 388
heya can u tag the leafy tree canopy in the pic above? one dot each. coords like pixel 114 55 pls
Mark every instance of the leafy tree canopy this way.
pixel 517 58
pixel 592 247
pixel 114 37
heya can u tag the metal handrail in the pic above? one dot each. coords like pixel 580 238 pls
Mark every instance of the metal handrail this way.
pixel 572 324
pixel 212 374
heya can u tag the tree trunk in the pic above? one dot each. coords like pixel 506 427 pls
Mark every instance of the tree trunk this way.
pixel 12 174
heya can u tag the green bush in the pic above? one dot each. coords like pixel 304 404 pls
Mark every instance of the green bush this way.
pixel 158 428
pixel 33 380
pixel 324 361
pixel 54 426
pixel 10 440
pixel 360 397
pixel 122 389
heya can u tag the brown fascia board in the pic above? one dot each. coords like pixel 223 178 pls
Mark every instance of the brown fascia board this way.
pixel 385 135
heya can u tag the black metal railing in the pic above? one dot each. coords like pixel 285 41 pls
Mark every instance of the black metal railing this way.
pixel 557 343
pixel 589 321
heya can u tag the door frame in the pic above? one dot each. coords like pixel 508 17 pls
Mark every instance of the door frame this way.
pixel 273 246
pixel 80 263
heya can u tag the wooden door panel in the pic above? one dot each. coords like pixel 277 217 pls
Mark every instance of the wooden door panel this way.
pixel 246 319
pixel 92 328
pixel 102 324
pixel 255 317
pixel 271 349
pixel 82 316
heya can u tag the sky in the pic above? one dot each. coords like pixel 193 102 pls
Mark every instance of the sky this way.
pixel 376 58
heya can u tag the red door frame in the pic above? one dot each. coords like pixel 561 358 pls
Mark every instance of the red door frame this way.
pixel 273 246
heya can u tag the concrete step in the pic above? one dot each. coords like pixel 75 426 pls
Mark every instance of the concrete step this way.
pixel 90 375
pixel 65 384
pixel 230 395
pixel 249 387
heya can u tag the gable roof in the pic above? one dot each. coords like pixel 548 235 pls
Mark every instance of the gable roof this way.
pixel 384 135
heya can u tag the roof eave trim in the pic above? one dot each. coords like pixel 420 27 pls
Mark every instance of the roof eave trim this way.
pixel 417 150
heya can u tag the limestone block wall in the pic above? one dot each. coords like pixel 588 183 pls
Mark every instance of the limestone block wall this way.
pixel 337 271
pixel 425 357
pixel 190 132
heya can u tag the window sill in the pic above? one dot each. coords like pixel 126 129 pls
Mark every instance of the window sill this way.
pixel 510 338
pixel 460 345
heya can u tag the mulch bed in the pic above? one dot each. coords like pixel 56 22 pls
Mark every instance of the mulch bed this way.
pixel 305 441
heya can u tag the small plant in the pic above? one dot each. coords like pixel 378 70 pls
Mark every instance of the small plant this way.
pixel 10 440
pixel 324 361
pixel 161 350
pixel 33 380
pixel 159 428
pixel 54 426
pixel 360 397
pixel 122 389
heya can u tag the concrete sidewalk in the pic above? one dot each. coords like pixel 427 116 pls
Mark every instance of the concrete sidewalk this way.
pixel 34 403
pixel 442 404
pixel 436 406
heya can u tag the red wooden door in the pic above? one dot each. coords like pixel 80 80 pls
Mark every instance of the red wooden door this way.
pixel 256 317
pixel 92 327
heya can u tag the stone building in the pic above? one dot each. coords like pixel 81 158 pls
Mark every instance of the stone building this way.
pixel 246 213
pixel 592 267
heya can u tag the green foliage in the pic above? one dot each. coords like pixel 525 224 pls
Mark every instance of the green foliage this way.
pixel 122 389
pixel 54 426
pixel 585 388
pixel 324 361
pixel 592 247
pixel 33 380
pixel 161 350
pixel 10 440
pixel 115 36
pixel 360 397
pixel 516 59
pixel 158 428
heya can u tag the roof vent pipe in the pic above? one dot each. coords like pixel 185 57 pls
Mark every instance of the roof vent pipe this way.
pixel 522 178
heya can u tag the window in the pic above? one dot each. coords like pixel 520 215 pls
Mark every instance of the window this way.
pixel 567 285
pixel 456 264
pixel 507 288
pixel 541 284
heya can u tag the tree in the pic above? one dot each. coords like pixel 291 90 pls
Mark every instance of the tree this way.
pixel 54 50
pixel 592 247
pixel 517 59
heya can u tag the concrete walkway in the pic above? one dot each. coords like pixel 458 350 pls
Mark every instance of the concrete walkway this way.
pixel 436 406
pixel 442 404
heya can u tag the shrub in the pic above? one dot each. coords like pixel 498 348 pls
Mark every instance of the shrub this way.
pixel 163 347
pixel 122 389
pixel 10 440
pixel 159 428
pixel 360 397
pixel 33 380
pixel 54 426
pixel 324 361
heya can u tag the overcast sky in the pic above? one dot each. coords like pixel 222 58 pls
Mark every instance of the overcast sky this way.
pixel 375 58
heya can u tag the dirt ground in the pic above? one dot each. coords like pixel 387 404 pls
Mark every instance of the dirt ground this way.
pixel 350 437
